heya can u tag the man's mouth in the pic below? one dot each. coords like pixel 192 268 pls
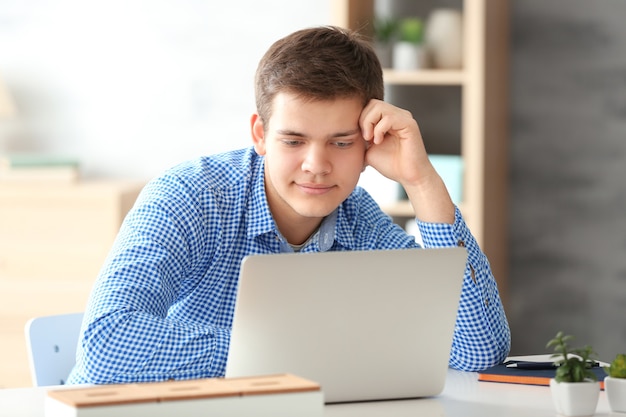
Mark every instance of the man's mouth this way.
pixel 315 189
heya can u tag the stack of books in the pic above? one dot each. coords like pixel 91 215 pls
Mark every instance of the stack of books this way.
pixel 531 370
pixel 37 167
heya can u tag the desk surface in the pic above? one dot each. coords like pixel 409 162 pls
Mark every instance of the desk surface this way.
pixel 462 396
pixel 465 396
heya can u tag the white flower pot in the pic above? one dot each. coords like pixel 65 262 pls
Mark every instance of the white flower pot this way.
pixel 408 56
pixel 575 399
pixel 615 389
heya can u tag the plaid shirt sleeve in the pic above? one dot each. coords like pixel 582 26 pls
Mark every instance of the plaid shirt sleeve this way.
pixel 131 332
pixel 481 337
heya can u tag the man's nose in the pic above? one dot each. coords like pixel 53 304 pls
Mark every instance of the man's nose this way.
pixel 316 160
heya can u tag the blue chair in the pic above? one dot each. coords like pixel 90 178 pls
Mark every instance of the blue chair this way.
pixel 51 343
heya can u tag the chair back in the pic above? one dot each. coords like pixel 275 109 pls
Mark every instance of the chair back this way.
pixel 51 343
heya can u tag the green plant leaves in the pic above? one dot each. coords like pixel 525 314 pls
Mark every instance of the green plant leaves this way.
pixel 617 368
pixel 574 363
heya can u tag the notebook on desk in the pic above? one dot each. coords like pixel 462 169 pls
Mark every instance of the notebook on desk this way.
pixel 531 370
pixel 365 325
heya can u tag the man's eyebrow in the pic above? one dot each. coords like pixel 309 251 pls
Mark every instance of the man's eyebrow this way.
pixel 346 133
pixel 342 134
pixel 289 132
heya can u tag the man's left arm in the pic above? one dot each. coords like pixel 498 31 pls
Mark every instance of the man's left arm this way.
pixel 481 336
pixel 396 150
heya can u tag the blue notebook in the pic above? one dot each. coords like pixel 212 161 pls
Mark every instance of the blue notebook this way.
pixel 528 373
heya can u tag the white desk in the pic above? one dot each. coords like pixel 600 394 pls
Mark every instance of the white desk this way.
pixel 463 396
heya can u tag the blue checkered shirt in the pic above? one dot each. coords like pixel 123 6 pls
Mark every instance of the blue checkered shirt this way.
pixel 163 304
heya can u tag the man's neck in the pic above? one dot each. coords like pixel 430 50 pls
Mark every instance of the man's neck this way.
pixel 298 232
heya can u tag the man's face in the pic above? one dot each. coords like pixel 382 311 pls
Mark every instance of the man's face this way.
pixel 314 155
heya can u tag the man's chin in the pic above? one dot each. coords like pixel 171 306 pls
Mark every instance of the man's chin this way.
pixel 317 212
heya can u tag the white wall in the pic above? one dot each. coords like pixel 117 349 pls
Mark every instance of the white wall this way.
pixel 132 87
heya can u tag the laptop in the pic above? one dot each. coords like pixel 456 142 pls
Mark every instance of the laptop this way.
pixel 365 325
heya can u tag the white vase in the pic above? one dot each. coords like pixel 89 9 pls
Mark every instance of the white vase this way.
pixel 615 389
pixel 443 36
pixel 575 399
pixel 408 56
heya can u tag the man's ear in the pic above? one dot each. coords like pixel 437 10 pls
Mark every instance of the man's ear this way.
pixel 258 134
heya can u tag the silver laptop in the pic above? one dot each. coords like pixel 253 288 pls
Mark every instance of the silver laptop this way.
pixel 365 325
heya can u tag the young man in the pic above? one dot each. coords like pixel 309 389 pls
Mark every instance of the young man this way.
pixel 163 304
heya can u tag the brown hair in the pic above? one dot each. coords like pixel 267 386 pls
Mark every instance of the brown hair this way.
pixel 320 63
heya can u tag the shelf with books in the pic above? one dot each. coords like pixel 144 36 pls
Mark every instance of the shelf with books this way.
pixel 38 168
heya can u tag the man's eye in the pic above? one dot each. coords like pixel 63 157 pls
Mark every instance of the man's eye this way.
pixel 340 144
pixel 291 142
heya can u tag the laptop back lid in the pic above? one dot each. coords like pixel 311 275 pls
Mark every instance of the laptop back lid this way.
pixel 365 325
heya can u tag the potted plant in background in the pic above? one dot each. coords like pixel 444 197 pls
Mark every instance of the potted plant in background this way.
pixel 615 383
pixel 385 31
pixel 409 52
pixel 575 387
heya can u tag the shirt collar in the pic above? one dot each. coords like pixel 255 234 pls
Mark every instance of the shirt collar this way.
pixel 344 231
pixel 258 213
pixel 326 235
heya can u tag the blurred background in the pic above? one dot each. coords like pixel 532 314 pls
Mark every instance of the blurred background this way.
pixel 130 88
pixel 133 87
pixel 567 192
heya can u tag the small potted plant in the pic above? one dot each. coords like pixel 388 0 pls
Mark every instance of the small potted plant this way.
pixel 615 383
pixel 575 387
pixel 409 52
pixel 385 31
